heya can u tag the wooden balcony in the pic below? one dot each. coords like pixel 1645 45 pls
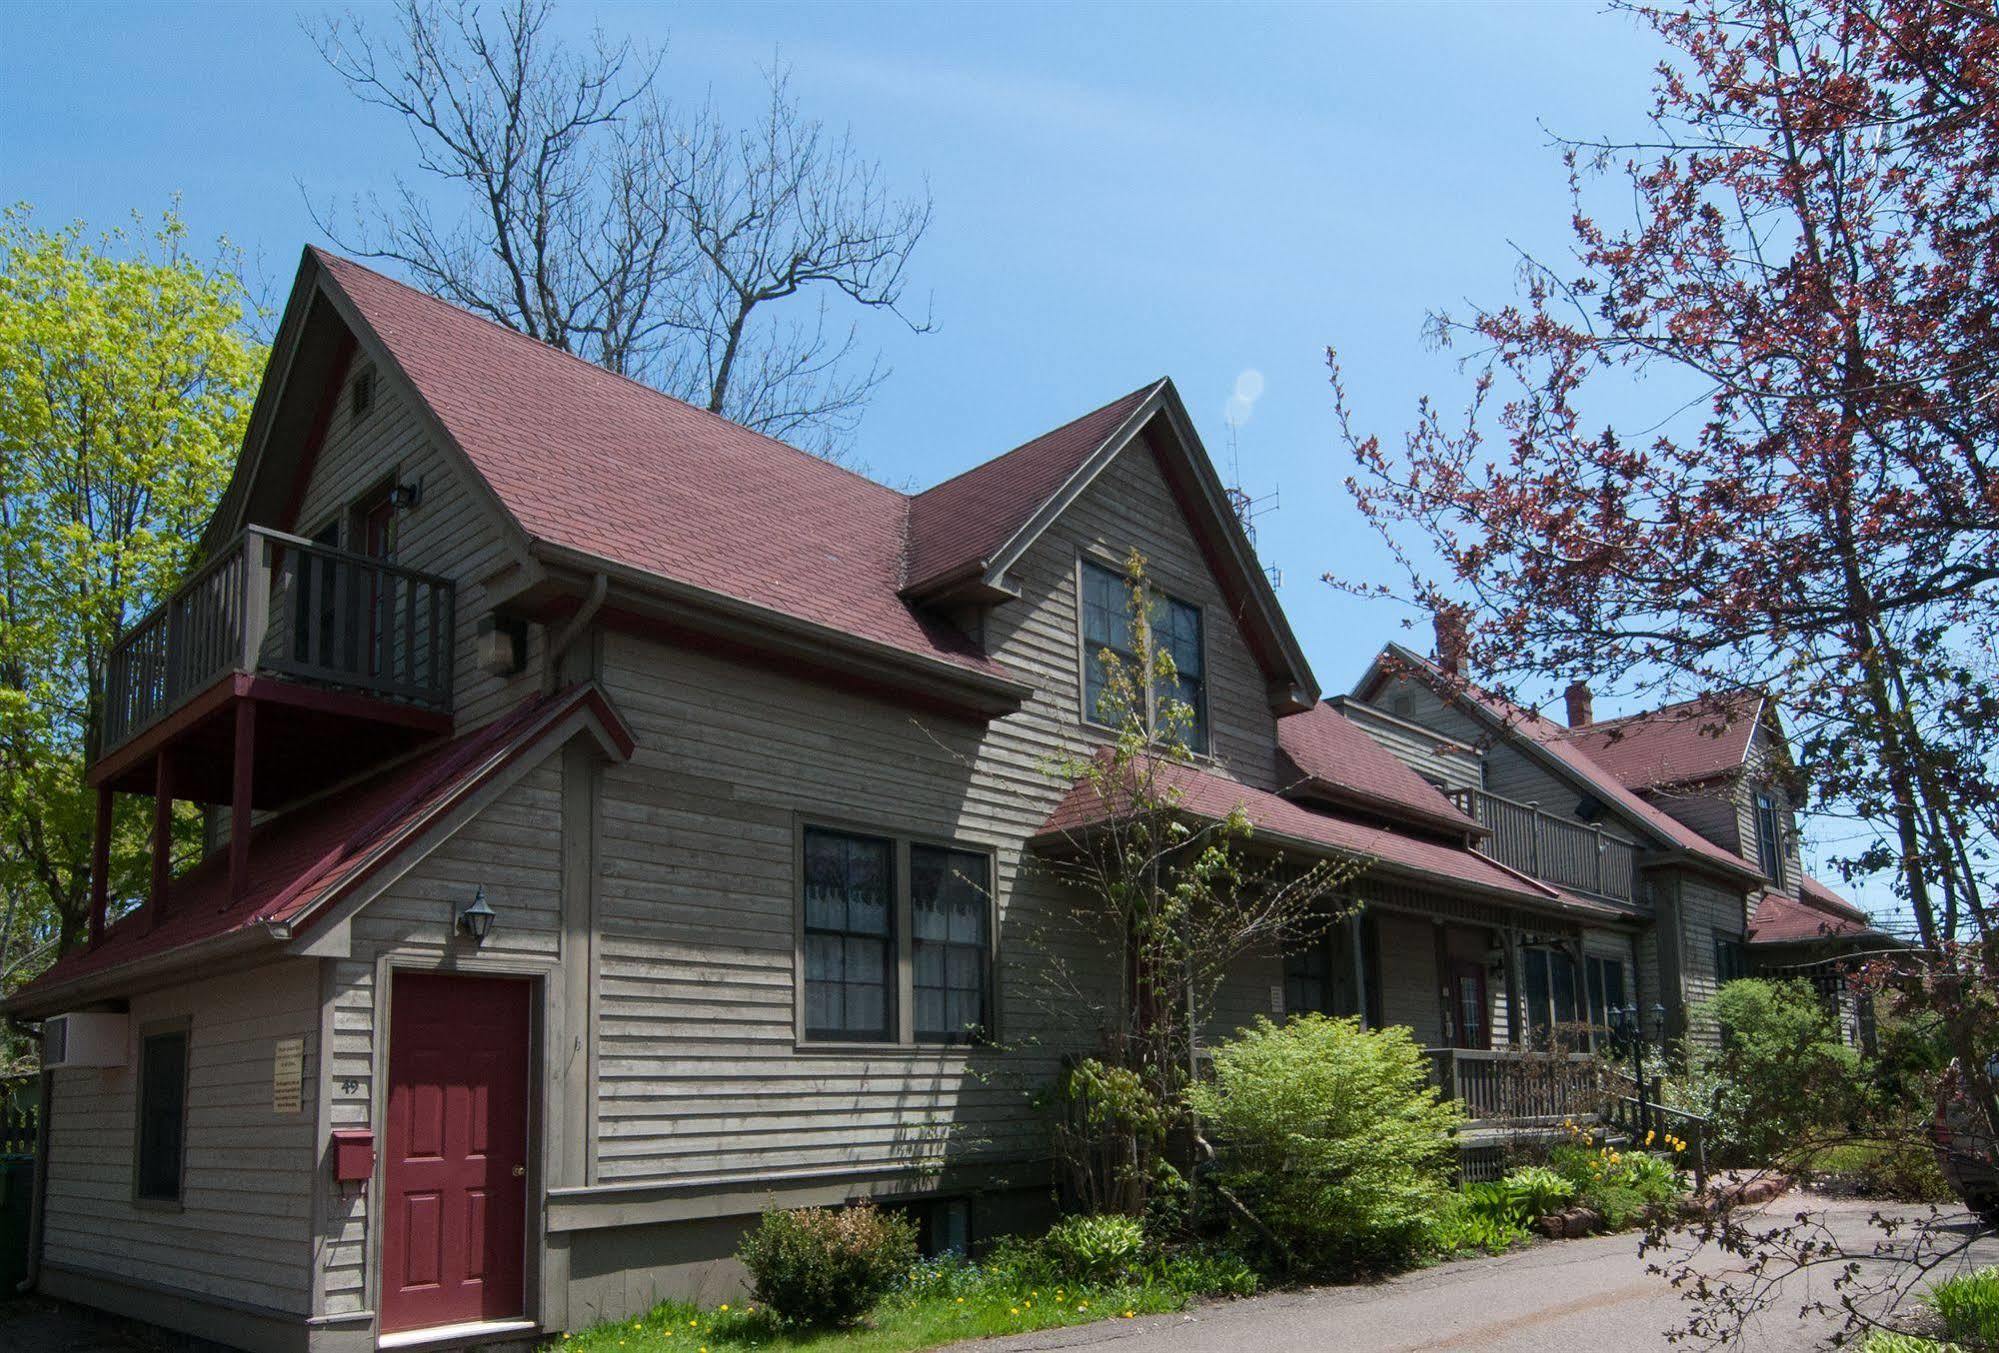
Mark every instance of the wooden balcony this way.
pixel 346 657
pixel 1517 1087
pixel 1557 850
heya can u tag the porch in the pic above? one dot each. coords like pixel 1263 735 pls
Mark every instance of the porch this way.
pixel 1517 1088
pixel 282 666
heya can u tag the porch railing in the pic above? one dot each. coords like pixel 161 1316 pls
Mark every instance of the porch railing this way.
pixel 281 604
pixel 1510 1086
pixel 1553 849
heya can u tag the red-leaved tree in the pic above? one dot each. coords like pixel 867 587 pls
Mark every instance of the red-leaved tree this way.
pixel 1747 433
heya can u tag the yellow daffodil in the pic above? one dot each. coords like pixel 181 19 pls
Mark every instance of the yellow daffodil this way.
pixel 1129 1314
pixel 723 1307
pixel 1013 1310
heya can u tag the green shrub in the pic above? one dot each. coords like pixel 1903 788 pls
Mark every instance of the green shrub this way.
pixel 1535 1191
pixel 1969 1307
pixel 1099 1250
pixel 1480 1219
pixel 1782 1076
pixel 1203 1273
pixel 1333 1138
pixel 1622 1186
pixel 1883 1342
pixel 1902 1166
pixel 813 1266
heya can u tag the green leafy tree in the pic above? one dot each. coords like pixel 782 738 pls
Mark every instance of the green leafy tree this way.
pixel 127 370
pixel 1788 1083
pixel 1162 902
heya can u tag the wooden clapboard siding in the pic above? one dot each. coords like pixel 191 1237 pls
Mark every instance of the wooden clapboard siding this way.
pixel 454 532
pixel 1509 771
pixel 1706 909
pixel 699 1071
pixel 1436 756
pixel 512 849
pixel 243 1229
pixel 1714 810
pixel 1763 764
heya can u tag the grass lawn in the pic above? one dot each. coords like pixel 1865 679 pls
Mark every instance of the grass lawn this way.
pixel 902 1322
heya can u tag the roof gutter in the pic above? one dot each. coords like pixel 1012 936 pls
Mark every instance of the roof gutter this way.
pixel 748 623
pixel 124 979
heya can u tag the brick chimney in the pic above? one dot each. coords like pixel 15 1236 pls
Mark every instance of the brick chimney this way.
pixel 1581 704
pixel 1449 623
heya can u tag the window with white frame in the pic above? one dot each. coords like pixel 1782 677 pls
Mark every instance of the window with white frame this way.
pixel 1173 625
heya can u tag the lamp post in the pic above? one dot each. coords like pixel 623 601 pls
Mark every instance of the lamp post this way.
pixel 1629 1037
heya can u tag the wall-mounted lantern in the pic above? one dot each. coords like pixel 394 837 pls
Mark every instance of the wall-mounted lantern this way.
pixel 477 919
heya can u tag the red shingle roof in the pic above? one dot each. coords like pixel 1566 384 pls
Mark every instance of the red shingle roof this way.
pixel 1341 762
pixel 1678 744
pixel 1816 913
pixel 603 465
pixel 959 525
pixel 1210 797
pixel 599 464
pixel 302 859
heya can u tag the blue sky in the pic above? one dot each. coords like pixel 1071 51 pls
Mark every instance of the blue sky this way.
pixel 1122 192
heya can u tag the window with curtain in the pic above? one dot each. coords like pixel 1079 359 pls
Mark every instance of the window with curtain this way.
pixel 1175 626
pixel 162 1114
pixel 949 910
pixel 849 936
pixel 1769 837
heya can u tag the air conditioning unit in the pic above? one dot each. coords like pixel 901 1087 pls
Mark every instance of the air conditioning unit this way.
pixel 85 1038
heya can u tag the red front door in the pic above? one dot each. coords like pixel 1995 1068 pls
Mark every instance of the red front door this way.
pixel 454 1181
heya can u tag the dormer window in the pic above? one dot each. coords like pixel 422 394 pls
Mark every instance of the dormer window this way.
pixel 1174 625
pixel 1769 837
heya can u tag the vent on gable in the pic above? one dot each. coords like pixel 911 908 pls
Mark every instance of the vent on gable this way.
pixel 363 393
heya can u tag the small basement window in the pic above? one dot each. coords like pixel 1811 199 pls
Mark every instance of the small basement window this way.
pixel 162 1114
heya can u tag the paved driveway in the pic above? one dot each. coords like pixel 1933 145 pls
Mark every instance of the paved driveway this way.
pixel 1591 1295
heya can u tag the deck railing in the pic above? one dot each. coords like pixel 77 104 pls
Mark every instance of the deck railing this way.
pixel 284 605
pixel 1553 849
pixel 1505 1085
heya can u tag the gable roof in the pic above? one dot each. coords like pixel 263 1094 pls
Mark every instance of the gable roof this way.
pixel 1330 757
pixel 1549 742
pixel 957 527
pixel 1207 796
pixel 1676 744
pixel 591 471
pixel 303 860
pixel 1816 913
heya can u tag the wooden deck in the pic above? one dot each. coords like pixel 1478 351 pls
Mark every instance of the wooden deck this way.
pixel 278 605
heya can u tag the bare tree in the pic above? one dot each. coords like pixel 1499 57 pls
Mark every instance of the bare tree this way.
pixel 583 210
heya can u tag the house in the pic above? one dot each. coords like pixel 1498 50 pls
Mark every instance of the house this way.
pixel 1684 816
pixel 619 822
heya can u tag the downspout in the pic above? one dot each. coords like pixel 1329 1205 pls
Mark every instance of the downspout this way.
pixel 559 644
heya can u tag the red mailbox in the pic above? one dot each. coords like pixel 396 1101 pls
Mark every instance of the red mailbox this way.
pixel 353 1155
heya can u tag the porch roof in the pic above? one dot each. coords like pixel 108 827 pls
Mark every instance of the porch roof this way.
pixel 1334 759
pixel 1209 797
pixel 1817 913
pixel 305 858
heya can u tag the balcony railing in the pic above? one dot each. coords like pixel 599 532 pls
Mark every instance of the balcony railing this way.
pixel 281 605
pixel 1507 1085
pixel 1556 850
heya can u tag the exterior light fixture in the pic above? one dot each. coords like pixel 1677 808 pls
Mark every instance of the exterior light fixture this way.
pixel 477 919
pixel 409 495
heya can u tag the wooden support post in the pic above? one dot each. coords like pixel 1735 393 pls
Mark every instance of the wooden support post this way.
pixel 241 797
pixel 163 836
pixel 100 865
